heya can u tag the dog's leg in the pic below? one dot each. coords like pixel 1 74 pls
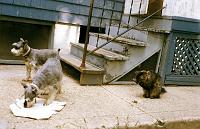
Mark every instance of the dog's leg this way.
pixel 59 87
pixel 51 96
pixel 28 72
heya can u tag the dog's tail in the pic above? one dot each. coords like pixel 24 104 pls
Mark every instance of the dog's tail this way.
pixel 59 50
pixel 163 90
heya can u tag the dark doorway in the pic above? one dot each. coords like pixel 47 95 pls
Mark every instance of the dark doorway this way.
pixel 37 35
pixel 92 29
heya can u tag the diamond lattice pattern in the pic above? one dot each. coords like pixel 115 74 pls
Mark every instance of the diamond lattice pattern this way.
pixel 186 57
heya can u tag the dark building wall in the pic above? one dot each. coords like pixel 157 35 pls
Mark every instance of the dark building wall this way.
pixel 63 11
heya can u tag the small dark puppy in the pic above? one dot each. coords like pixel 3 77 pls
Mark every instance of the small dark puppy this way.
pixel 47 80
pixel 34 58
pixel 151 83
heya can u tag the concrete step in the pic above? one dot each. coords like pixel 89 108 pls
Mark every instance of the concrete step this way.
pixel 108 55
pixel 111 62
pixel 122 40
pixel 120 45
pixel 153 24
pixel 136 33
pixel 89 75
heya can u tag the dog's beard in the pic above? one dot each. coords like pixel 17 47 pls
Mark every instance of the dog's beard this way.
pixel 16 52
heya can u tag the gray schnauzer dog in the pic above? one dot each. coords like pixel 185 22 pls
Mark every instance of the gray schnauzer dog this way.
pixel 151 83
pixel 46 81
pixel 33 57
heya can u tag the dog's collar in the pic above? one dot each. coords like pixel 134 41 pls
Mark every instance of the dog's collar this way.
pixel 27 52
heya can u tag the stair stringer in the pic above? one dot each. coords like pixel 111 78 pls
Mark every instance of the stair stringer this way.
pixel 137 55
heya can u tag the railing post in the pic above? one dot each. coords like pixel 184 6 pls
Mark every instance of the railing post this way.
pixel 87 34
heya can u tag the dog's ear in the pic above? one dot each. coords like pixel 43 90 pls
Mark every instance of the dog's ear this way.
pixel 24 84
pixel 25 41
pixel 21 39
pixel 14 44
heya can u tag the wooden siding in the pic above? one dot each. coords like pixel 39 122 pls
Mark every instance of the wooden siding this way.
pixel 179 8
pixel 62 11
pixel 182 8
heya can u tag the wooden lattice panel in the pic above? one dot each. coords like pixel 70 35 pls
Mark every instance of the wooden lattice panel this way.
pixel 186 59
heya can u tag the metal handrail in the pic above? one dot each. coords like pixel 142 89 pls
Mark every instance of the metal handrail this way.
pixel 126 30
pixel 87 34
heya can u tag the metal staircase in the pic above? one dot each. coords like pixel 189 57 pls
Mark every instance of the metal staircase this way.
pixel 111 57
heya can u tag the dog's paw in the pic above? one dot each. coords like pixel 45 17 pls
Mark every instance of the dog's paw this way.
pixel 47 102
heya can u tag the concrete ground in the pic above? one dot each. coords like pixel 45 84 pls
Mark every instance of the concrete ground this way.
pixel 110 106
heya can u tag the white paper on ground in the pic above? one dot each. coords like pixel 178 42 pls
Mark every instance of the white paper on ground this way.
pixel 38 111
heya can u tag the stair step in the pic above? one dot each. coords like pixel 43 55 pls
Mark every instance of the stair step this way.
pixel 89 75
pixel 121 40
pixel 121 47
pixel 76 62
pixel 143 29
pixel 135 33
pixel 102 52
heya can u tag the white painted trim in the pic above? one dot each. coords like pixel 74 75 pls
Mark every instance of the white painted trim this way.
pixel 136 6
pixel 182 8
pixel 64 34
